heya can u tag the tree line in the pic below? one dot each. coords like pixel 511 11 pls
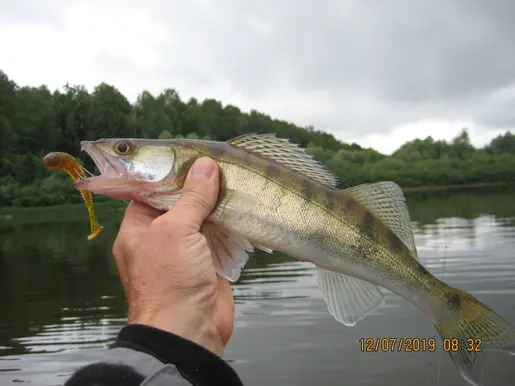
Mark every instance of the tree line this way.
pixel 35 121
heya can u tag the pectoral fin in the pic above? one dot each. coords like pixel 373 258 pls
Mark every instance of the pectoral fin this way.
pixel 348 299
pixel 230 250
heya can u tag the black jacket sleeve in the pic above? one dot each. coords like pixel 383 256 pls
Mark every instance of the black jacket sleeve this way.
pixel 143 355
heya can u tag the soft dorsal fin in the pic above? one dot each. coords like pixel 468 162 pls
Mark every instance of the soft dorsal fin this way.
pixel 287 154
pixel 386 201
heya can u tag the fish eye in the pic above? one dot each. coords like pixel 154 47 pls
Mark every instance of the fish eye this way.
pixel 122 147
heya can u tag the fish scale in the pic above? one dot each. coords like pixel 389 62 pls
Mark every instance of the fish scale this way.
pixel 297 216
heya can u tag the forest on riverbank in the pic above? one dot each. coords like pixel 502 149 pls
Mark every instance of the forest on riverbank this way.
pixel 35 121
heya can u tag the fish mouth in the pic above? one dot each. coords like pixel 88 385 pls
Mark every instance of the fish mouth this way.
pixel 113 180
pixel 108 166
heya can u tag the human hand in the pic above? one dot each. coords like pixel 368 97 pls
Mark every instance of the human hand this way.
pixel 166 266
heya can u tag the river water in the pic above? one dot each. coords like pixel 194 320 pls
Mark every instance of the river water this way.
pixel 61 302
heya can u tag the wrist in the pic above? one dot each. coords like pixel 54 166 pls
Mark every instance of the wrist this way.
pixel 186 322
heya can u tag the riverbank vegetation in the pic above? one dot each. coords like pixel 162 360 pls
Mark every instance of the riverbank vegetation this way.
pixel 36 120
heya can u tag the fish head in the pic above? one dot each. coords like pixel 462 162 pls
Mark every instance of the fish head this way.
pixel 133 169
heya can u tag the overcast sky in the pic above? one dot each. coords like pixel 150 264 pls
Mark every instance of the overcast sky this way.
pixel 377 73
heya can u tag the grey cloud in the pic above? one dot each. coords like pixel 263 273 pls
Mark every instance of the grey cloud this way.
pixel 415 58
pixel 361 66
pixel 397 50
pixel 499 110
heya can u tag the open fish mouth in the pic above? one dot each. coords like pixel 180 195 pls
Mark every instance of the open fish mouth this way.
pixel 113 180
pixel 107 166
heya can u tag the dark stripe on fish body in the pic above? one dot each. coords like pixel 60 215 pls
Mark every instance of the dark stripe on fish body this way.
pixel 368 223
pixel 422 271
pixel 217 151
pixel 331 198
pixel 307 188
pixel 272 170
pixel 247 157
pixel 320 239
pixel 395 243
pixel 454 300
pixel 351 203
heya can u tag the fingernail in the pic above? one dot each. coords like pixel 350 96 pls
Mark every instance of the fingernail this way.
pixel 203 168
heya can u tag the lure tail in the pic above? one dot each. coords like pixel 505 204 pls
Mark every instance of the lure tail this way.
pixel 67 163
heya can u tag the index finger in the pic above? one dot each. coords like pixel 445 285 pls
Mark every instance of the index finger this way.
pixel 137 218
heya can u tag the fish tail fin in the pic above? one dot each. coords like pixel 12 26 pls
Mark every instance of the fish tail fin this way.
pixel 472 329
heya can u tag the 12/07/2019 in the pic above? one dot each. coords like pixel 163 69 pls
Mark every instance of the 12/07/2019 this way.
pixel 418 344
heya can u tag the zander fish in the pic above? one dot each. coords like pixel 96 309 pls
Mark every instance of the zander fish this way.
pixel 274 196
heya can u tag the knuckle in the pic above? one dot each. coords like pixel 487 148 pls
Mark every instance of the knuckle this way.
pixel 121 246
pixel 164 226
pixel 118 248
pixel 162 222
pixel 195 199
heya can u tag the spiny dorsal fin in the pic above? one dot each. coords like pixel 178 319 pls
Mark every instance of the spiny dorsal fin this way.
pixel 386 201
pixel 287 154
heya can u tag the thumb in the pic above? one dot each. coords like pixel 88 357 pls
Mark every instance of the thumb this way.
pixel 199 193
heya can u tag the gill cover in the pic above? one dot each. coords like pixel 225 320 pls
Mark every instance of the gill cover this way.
pixel 145 162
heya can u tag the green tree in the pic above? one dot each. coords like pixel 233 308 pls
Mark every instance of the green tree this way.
pixel 502 144
pixel 34 121
pixel 110 113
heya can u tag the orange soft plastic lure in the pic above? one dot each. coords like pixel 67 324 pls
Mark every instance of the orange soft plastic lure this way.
pixel 69 164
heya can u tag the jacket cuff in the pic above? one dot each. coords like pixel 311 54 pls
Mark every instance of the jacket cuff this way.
pixel 194 362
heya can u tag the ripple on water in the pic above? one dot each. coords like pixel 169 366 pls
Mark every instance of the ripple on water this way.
pixel 71 307
pixel 70 336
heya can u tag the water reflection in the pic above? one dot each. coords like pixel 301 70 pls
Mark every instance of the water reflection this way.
pixel 61 301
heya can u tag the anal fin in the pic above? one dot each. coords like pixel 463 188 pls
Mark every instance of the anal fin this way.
pixel 230 250
pixel 348 299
